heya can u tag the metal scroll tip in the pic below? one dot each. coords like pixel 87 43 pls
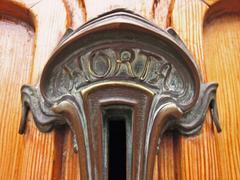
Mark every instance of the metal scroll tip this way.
pixel 215 117
pixel 23 121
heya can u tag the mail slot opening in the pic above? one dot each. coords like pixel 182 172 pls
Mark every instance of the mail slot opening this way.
pixel 117 141
pixel 117 149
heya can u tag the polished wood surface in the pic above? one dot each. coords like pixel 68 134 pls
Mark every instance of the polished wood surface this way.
pixel 29 31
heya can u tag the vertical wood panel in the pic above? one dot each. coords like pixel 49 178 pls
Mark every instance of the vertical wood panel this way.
pixel 221 50
pixel 70 165
pixel 34 155
pixel 41 155
pixel 166 164
pixel 195 156
pixel 16 53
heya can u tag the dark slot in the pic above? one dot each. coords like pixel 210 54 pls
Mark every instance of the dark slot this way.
pixel 117 149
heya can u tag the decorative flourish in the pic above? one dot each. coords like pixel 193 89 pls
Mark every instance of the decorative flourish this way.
pixel 192 122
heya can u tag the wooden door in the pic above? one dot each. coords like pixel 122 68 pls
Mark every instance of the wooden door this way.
pixel 30 30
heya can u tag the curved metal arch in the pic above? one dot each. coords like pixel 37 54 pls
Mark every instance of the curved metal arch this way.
pixel 120 59
pixel 122 20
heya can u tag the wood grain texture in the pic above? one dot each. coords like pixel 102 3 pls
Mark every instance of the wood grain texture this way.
pixel 195 157
pixel 33 155
pixel 70 162
pixel 41 154
pixel 210 2
pixel 161 12
pixel 16 48
pixel 166 162
pixel 142 7
pixel 221 37
pixel 29 31
pixel 76 14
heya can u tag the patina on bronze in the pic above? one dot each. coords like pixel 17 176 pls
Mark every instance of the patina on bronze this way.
pixel 122 63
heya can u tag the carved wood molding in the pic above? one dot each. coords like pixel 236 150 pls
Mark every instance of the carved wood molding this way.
pixel 120 65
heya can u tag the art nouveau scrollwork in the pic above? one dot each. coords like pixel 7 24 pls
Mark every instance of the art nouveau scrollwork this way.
pixel 120 62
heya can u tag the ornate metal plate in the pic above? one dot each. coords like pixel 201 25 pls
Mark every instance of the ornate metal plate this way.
pixel 120 65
